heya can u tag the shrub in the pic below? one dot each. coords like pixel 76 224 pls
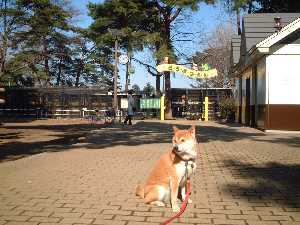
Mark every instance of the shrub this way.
pixel 227 108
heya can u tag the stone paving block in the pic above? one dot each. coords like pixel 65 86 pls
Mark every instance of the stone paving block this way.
pixel 278 218
pixel 194 220
pixel 255 222
pixel 30 208
pixel 12 212
pixel 21 223
pixel 36 213
pixel 244 217
pixel 58 210
pixel 15 218
pixel 46 223
pixel 116 212
pixel 44 219
pixel 110 222
pixel 229 222
pixel 85 210
pixel 76 220
pixel 148 214
pixel 226 211
pixel 97 216
pixel 211 216
pixel 7 207
pixel 291 209
pixel 295 217
pixel 80 206
pixel 159 219
pixel 67 215
pixel 289 223
pixel 130 218
pixel 140 223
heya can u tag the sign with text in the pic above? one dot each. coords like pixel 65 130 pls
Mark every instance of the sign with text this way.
pixel 196 74
pixel 149 103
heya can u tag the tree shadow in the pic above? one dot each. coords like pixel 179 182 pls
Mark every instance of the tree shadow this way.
pixel 274 183
pixel 93 136
pixel 62 138
pixel 88 136
pixel 235 132
pixel 7 136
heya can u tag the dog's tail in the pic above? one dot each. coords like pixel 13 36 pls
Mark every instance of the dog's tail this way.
pixel 139 191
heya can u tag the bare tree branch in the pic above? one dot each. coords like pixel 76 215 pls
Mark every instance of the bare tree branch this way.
pixel 149 67
pixel 175 15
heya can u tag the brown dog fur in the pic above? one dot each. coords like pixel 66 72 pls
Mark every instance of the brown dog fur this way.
pixel 168 176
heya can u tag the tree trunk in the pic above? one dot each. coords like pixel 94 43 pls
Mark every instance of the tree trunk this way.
pixel 78 74
pixel 3 50
pixel 157 85
pixel 250 3
pixel 238 21
pixel 168 111
pixel 127 77
pixel 59 72
pixel 46 62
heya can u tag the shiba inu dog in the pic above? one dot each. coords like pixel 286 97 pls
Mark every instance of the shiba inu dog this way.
pixel 167 180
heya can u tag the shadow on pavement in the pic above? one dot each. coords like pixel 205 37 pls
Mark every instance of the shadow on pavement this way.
pixel 273 182
pixel 70 136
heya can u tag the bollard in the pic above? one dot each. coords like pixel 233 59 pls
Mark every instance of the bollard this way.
pixel 206 109
pixel 162 107
pixel 2 101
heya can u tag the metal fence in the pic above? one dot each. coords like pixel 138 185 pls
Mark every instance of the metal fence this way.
pixel 54 102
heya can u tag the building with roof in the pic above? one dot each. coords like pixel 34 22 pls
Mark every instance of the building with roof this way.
pixel 266 64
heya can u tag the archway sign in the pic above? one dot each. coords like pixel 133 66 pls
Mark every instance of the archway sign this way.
pixel 193 73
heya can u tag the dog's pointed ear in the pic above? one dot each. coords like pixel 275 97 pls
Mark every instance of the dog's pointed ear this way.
pixel 175 129
pixel 193 130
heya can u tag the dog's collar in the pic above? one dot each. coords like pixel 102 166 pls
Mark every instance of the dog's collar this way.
pixel 179 156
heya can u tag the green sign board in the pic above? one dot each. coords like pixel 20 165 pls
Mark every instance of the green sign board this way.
pixel 150 103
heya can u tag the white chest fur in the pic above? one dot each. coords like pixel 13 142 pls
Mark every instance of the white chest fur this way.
pixel 181 170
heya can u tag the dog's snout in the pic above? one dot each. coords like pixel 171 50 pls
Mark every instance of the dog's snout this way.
pixel 175 147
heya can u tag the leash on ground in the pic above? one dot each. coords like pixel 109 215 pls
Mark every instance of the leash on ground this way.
pixel 184 203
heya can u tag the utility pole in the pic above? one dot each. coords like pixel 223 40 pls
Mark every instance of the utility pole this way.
pixel 115 33
pixel 115 100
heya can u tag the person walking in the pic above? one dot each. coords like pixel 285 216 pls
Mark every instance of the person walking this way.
pixel 130 109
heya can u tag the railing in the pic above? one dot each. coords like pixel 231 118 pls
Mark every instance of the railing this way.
pixel 60 113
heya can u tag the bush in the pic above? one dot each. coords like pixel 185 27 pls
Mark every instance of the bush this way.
pixel 227 108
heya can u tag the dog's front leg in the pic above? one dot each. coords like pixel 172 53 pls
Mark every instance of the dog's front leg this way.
pixel 183 195
pixel 174 185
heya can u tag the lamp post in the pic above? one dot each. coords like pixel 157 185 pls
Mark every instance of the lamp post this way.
pixel 115 33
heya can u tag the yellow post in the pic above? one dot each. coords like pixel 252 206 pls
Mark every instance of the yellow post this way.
pixel 206 109
pixel 162 107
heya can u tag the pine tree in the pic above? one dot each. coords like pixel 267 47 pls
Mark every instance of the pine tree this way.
pixel 167 12
pixel 141 23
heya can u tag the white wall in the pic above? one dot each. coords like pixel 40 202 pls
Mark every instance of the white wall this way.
pixel 283 75
pixel 236 92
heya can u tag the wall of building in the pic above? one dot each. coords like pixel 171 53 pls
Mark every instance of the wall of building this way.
pixel 283 70
pixel 237 97
pixel 261 98
pixel 247 74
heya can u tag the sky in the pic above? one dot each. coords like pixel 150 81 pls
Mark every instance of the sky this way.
pixel 201 23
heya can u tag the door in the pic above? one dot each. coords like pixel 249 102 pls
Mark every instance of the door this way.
pixel 247 108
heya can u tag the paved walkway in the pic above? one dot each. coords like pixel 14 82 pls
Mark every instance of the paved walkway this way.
pixel 87 175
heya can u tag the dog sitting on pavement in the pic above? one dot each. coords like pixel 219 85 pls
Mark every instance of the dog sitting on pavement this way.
pixel 167 180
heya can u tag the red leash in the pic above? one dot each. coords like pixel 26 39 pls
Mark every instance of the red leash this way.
pixel 184 203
